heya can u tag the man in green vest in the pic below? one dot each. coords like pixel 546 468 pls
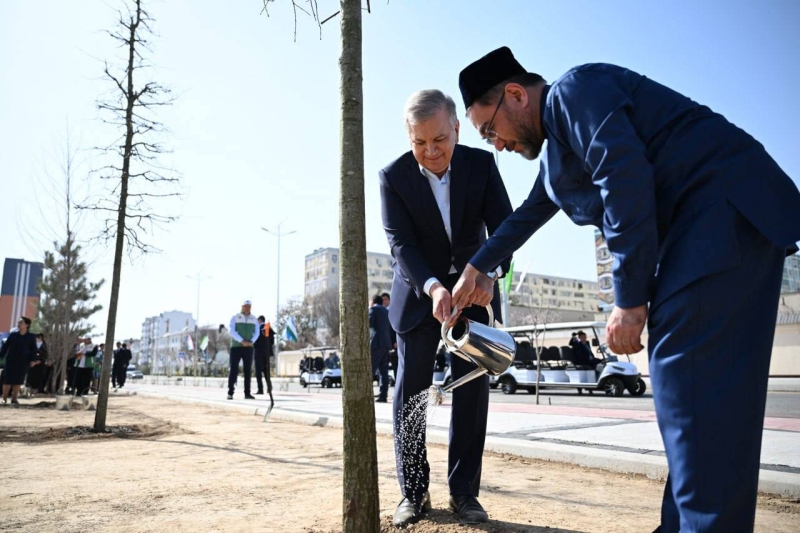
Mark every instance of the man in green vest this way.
pixel 244 332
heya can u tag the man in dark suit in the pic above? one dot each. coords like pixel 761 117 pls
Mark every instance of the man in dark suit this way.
pixel 698 218
pixel 263 351
pixel 387 302
pixel 438 200
pixel 121 363
pixel 380 342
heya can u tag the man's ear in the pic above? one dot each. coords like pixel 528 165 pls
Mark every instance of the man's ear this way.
pixel 457 127
pixel 517 93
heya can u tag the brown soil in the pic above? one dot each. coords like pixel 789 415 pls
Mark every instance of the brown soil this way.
pixel 186 467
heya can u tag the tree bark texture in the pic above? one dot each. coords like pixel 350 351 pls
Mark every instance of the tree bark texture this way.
pixel 360 499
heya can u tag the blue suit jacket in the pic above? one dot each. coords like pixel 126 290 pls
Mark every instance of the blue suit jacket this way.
pixel 661 176
pixel 380 331
pixel 416 234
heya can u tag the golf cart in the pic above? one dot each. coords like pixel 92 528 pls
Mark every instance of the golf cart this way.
pixel 320 370
pixel 559 369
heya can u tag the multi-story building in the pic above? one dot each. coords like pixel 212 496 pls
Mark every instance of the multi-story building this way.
pixel 322 271
pixel 20 291
pixel 791 274
pixel 156 330
pixel 553 292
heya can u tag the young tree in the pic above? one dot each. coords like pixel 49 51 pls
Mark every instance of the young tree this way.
pixel 135 173
pixel 66 304
pixel 360 506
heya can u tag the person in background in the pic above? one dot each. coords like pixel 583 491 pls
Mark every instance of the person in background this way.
pixel 121 363
pixel 84 367
pixel 37 372
pixel 19 351
pixel 263 351
pixel 244 332
pixel 387 301
pixel 115 365
pixel 380 342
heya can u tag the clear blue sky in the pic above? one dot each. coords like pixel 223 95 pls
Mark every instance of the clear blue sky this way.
pixel 256 130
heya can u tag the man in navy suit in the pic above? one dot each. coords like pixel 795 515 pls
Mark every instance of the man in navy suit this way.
pixel 380 342
pixel 698 218
pixel 438 200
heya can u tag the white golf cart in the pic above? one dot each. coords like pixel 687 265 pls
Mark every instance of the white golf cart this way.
pixel 318 369
pixel 559 369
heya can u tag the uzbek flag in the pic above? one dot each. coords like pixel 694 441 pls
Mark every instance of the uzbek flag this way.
pixel 290 332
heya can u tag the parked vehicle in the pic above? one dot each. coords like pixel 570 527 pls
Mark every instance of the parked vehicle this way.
pixel 558 369
pixel 134 373
pixel 315 370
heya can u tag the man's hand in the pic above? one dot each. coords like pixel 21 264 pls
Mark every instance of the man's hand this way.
pixel 473 288
pixel 247 344
pixel 624 329
pixel 441 302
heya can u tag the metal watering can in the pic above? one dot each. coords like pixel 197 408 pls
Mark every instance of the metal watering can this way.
pixel 485 346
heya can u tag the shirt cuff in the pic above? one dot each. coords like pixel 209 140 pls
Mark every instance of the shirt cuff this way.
pixel 428 284
pixel 499 272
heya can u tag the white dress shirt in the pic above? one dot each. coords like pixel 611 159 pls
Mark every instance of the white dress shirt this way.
pixel 440 187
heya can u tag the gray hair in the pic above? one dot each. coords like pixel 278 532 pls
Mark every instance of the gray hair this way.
pixel 422 105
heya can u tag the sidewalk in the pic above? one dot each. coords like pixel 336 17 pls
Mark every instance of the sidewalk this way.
pixel 619 440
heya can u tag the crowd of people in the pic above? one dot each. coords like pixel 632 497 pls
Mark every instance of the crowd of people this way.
pixel 26 359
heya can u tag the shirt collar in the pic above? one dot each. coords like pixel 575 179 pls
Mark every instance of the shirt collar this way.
pixel 430 175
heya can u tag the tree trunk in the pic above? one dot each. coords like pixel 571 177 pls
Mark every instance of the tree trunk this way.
pixel 105 373
pixel 360 498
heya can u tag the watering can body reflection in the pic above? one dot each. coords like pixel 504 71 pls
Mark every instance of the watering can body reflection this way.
pixel 488 348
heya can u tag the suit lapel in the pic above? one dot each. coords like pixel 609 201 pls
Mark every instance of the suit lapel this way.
pixel 427 202
pixel 459 183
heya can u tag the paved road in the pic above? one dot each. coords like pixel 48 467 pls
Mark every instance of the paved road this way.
pixel 779 404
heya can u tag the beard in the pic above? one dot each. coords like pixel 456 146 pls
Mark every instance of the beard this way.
pixel 529 140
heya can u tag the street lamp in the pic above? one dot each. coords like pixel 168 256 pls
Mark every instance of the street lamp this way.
pixel 278 234
pixel 197 277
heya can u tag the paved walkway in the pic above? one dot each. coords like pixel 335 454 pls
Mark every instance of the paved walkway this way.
pixel 613 439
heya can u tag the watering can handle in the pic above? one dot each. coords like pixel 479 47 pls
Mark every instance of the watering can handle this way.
pixel 450 345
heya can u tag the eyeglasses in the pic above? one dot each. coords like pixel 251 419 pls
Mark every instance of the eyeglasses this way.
pixel 489 135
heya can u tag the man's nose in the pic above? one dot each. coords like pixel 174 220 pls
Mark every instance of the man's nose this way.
pixel 431 150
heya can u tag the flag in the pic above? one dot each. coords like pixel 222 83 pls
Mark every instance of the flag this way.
pixel 189 342
pixel 290 332
pixel 509 279
pixel 204 343
pixel 522 276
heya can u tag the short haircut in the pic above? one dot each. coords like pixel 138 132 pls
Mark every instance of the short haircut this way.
pixel 124 345
pixel 424 104
pixel 492 96
pixel 377 299
pixel 386 295
pixel 261 317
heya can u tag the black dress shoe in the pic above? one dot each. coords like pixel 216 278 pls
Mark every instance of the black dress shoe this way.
pixel 249 397
pixel 260 392
pixel 468 508
pixel 408 513
pixel 381 400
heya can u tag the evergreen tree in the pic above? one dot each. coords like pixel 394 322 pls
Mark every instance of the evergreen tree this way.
pixel 66 305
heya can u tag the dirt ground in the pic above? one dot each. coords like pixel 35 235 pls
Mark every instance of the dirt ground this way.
pixel 174 467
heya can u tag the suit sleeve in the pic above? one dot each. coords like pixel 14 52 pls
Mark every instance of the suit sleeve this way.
pixel 534 212
pixel 4 349
pixel 399 230
pixel 496 208
pixel 591 113
pixel 371 315
pixel 256 333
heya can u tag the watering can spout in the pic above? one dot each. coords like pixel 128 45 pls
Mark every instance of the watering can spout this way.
pixel 489 349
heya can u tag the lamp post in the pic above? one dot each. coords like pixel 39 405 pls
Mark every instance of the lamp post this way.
pixel 198 278
pixel 277 233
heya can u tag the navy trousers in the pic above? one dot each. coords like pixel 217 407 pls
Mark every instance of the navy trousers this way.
pixel 380 366
pixel 710 345
pixel 470 406
pixel 244 354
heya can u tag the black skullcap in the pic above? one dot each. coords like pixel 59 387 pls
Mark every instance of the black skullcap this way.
pixel 493 68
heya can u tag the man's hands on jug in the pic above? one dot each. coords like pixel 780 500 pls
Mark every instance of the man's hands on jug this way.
pixel 442 302
pixel 473 288
pixel 624 329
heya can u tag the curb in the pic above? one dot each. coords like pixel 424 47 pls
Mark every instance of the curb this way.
pixel 784 484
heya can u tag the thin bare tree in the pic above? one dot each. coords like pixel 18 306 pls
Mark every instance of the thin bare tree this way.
pixel 326 310
pixel 360 504
pixel 135 175
pixel 539 317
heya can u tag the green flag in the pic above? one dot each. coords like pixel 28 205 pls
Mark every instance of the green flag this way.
pixel 509 279
pixel 204 343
